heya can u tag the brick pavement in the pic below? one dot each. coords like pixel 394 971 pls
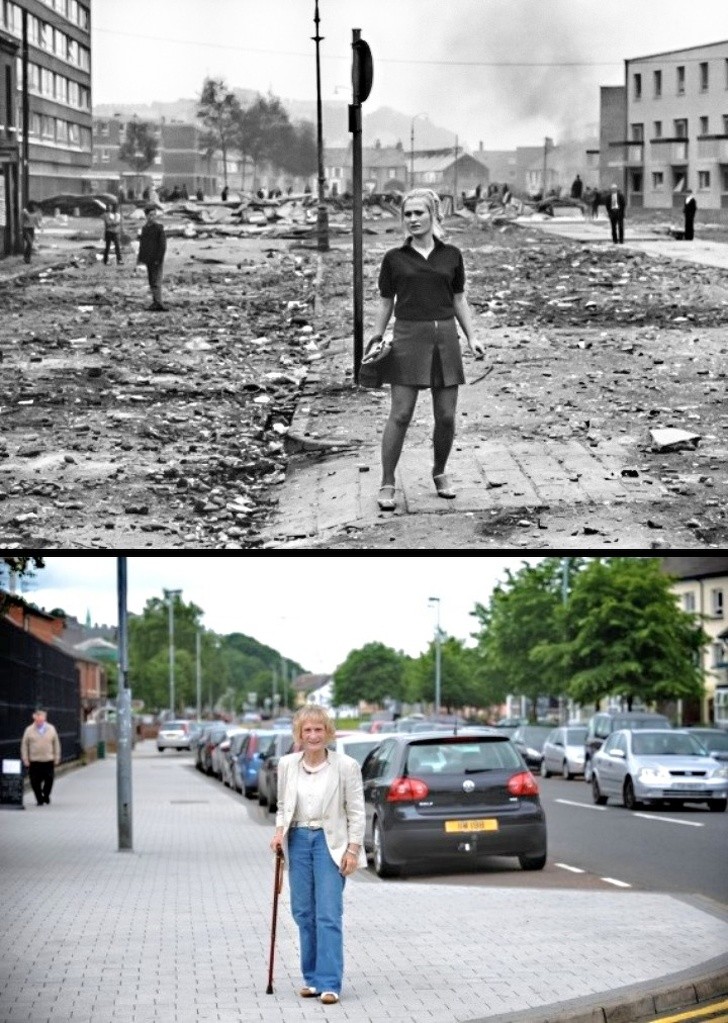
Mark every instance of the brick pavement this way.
pixel 178 929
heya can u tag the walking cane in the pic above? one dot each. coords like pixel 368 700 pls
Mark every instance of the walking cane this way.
pixel 277 885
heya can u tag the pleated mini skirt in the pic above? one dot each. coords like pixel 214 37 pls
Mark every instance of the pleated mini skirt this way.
pixel 425 353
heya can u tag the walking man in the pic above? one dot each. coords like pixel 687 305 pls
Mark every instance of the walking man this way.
pixel 112 231
pixel 690 209
pixel 615 209
pixel 29 220
pixel 152 248
pixel 40 751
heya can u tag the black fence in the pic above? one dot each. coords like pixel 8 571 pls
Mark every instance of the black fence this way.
pixel 35 674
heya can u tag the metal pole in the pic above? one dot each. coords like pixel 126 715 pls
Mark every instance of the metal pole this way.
pixel 545 155
pixel 356 151
pixel 455 178
pixel 322 219
pixel 438 656
pixel 123 721
pixel 170 595
pixel 199 677
pixel 412 152
pixel 25 156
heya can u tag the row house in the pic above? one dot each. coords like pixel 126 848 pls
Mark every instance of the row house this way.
pixel 666 129
pixel 56 34
pixel 9 149
pixel 454 173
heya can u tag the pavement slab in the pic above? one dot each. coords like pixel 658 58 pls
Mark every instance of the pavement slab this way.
pixel 178 928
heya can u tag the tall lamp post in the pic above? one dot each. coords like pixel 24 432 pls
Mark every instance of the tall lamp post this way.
pixel 170 596
pixel 322 219
pixel 412 148
pixel 438 654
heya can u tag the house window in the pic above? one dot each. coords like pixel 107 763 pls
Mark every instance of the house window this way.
pixel 104 155
pixel 725 124
pixel 48 127
pixel 704 182
pixel 657 83
pixel 638 132
pixel 637 86
pixel 46 82
pixel 681 128
pixel 688 602
pixel 716 598
pixel 703 126
pixel 61 89
pixel 657 129
pixel 74 135
pixel 704 76
pixel 717 654
pixel 61 131
pixel 725 180
pixel 681 79
pixel 658 179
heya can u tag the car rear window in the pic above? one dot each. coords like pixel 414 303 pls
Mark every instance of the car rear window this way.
pixel 462 757
pixel 175 726
pixel 647 722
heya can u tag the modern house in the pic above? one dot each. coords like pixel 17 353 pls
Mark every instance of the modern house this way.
pixel 666 129
pixel 56 80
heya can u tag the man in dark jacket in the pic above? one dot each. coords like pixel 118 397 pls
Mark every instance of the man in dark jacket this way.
pixel 152 247
pixel 615 209
pixel 690 208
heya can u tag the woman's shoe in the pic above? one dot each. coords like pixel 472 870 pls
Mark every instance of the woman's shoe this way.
pixel 329 998
pixel 308 992
pixel 443 488
pixel 386 498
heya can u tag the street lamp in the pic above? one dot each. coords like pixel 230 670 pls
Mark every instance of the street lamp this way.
pixel 170 596
pixel 438 653
pixel 412 148
pixel 322 217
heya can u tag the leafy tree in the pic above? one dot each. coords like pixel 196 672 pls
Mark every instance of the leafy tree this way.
pixel 22 566
pixel 219 111
pixel 301 155
pixel 458 685
pixel 627 636
pixel 373 673
pixel 264 132
pixel 521 629
pixel 140 145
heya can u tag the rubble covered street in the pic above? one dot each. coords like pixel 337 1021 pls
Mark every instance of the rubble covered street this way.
pixel 207 427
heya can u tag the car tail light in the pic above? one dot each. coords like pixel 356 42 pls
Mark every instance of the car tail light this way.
pixel 522 784
pixel 405 790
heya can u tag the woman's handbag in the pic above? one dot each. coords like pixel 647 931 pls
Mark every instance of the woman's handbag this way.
pixel 375 357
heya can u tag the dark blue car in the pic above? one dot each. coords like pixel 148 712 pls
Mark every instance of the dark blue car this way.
pixel 248 758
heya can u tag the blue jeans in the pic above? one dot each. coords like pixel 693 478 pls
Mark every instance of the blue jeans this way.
pixel 317 904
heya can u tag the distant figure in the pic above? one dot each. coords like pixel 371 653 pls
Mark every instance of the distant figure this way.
pixel 577 187
pixel 152 249
pixel 615 209
pixel 112 232
pixel 40 751
pixel 200 194
pixel 224 194
pixel 690 210
pixel 478 191
pixel 31 219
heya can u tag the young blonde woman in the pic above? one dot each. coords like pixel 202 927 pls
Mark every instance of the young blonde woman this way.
pixel 320 828
pixel 423 284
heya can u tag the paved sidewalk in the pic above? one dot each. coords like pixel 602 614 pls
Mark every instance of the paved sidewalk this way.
pixel 178 929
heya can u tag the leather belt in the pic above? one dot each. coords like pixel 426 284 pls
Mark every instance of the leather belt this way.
pixel 316 825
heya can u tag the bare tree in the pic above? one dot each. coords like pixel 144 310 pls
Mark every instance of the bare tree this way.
pixel 218 111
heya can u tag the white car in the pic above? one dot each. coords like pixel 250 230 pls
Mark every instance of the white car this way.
pixel 358 744
pixel 563 752
pixel 173 735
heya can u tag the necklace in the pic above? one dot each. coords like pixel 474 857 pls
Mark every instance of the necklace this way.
pixel 313 770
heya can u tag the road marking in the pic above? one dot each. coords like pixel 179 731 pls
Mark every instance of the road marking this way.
pixel 583 806
pixel 574 870
pixel 669 820
pixel 614 881
pixel 705 1011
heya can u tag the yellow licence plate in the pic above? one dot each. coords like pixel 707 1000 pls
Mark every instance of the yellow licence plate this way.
pixel 487 824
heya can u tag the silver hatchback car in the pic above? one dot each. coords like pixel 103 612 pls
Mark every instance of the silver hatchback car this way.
pixel 666 766
pixel 173 735
pixel 563 752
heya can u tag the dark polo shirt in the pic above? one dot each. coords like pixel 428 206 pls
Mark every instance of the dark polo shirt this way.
pixel 423 289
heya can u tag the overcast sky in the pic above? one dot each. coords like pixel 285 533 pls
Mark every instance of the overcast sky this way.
pixel 504 72
pixel 313 610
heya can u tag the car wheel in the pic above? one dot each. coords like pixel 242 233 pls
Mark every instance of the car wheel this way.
pixel 630 801
pixel 717 805
pixel 587 771
pixel 532 862
pixel 249 793
pixel 566 774
pixel 272 806
pixel 597 796
pixel 382 866
pixel 545 773
pixel 262 800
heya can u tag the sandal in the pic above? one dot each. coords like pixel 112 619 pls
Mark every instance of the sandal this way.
pixel 386 500
pixel 443 488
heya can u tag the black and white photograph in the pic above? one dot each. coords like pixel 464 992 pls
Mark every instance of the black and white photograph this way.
pixel 237 240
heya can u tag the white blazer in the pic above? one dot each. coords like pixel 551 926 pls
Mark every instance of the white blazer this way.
pixel 343 814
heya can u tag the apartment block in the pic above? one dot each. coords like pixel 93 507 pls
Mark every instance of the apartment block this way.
pixel 53 39
pixel 674 132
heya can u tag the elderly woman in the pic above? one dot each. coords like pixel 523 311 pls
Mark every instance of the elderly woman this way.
pixel 320 825
pixel 423 283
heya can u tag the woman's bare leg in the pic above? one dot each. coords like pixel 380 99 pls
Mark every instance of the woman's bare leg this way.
pixel 403 401
pixel 444 407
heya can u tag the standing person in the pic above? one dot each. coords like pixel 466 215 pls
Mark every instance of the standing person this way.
pixel 691 207
pixel 320 828
pixel 152 248
pixel 112 231
pixel 423 283
pixel 577 188
pixel 40 751
pixel 30 219
pixel 615 209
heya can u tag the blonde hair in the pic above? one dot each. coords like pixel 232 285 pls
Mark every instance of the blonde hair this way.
pixel 432 201
pixel 312 713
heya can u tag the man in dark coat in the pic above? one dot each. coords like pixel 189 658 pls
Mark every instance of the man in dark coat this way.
pixel 690 210
pixel 577 188
pixel 152 248
pixel 615 209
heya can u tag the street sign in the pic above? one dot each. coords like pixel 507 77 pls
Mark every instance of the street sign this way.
pixel 362 70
